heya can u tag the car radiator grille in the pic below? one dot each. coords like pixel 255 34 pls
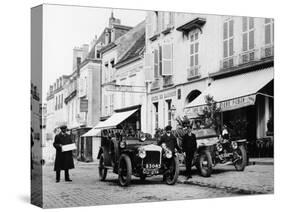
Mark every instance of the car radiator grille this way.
pixel 152 157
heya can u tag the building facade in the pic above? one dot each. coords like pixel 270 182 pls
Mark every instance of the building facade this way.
pixel 186 55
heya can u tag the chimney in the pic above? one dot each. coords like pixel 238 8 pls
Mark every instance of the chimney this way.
pixel 78 62
pixel 85 48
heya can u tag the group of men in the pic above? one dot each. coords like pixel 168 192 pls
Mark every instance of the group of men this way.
pixel 64 160
pixel 189 145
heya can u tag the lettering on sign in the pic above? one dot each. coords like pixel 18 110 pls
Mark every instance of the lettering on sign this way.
pixel 238 102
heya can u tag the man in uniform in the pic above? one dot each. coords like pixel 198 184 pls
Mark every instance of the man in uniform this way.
pixel 189 146
pixel 64 160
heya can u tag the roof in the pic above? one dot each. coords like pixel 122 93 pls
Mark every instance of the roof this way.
pixel 119 31
pixel 136 50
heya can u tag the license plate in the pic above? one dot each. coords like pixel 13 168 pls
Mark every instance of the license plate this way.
pixel 152 166
pixel 150 171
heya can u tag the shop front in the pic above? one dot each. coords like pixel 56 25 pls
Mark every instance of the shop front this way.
pixel 125 121
pixel 246 106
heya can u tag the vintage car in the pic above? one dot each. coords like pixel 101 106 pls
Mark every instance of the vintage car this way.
pixel 137 156
pixel 211 150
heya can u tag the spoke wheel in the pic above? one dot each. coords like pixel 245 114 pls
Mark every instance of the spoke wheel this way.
pixel 240 158
pixel 172 173
pixel 124 170
pixel 205 164
pixel 102 169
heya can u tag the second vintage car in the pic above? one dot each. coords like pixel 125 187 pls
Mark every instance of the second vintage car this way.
pixel 138 156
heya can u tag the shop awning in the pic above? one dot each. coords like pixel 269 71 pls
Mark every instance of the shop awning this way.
pixel 233 92
pixel 115 119
pixel 93 132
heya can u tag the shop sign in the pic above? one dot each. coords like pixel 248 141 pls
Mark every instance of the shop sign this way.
pixel 238 103
pixel 170 94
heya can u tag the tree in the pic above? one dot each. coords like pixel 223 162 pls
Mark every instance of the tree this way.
pixel 211 113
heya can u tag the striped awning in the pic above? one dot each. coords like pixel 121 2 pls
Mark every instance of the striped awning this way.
pixel 232 92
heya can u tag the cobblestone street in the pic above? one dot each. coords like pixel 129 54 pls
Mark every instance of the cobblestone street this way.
pixel 87 190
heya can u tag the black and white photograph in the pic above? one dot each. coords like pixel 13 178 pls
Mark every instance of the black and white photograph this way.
pixel 134 106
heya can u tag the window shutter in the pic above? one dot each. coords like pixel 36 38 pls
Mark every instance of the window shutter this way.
pixel 244 23
pixel 160 60
pixel 245 41
pixel 231 52
pixel 251 40
pixel 225 49
pixel 156 63
pixel 225 30
pixel 251 23
pixel 167 52
pixel 267 34
pixel 148 59
pixel 230 28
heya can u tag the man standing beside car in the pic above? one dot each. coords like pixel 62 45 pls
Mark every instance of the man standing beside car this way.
pixel 169 139
pixel 189 146
pixel 64 160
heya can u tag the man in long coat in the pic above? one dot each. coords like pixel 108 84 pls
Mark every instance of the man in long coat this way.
pixel 64 160
pixel 189 146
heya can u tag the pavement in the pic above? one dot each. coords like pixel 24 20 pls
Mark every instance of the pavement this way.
pixel 87 190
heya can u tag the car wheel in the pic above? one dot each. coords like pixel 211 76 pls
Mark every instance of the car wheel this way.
pixel 241 155
pixel 102 169
pixel 171 176
pixel 124 170
pixel 205 163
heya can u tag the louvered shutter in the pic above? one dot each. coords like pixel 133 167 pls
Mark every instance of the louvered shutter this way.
pixel 267 34
pixel 148 62
pixel 167 63
pixel 156 63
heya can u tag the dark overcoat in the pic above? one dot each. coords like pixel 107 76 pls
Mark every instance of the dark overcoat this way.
pixel 63 160
pixel 189 143
pixel 170 141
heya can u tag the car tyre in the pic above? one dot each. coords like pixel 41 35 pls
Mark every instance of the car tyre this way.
pixel 172 177
pixel 205 163
pixel 241 164
pixel 124 170
pixel 102 169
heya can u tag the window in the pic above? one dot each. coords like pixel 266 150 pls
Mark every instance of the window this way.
pixel 56 103
pixel 156 63
pixel 268 31
pixel 167 59
pixel 169 111
pixel 194 49
pixel 106 72
pixel 111 70
pixel 248 35
pixel 156 115
pixel 62 101
pixel 228 37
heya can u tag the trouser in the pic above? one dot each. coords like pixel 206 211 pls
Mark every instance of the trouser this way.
pixel 188 161
pixel 66 174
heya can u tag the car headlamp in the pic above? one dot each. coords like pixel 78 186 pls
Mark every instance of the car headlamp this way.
pixel 142 153
pixel 168 154
pixel 219 147
pixel 234 145
pixel 122 144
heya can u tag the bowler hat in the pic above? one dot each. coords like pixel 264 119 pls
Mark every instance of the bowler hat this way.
pixel 63 127
pixel 168 128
